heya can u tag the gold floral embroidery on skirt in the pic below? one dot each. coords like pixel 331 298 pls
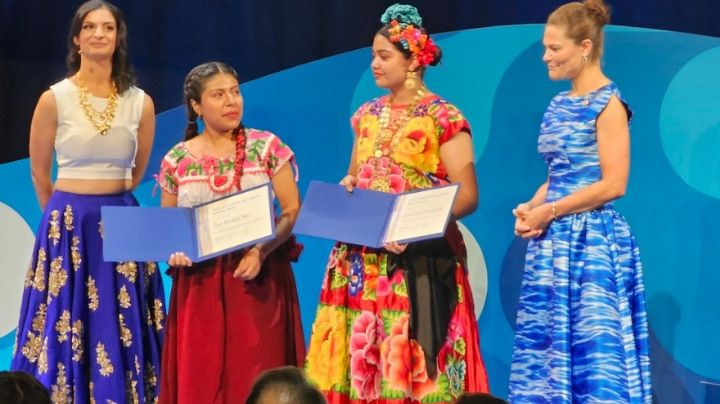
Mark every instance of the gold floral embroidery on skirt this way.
pixel 150 267
pixel 61 393
pixel 62 326
pixel 124 298
pixel 159 316
pixel 103 360
pixel 54 231
pixel 92 292
pixel 29 275
pixel 75 253
pixel 33 345
pixel 128 269
pixel 125 333
pixel 58 277
pixel 43 358
pixel 77 341
pixel 150 383
pixel 101 229
pixel 39 281
pixel 131 388
pixel 68 218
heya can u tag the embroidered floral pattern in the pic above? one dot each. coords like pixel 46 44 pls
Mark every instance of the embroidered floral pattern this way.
pixel 54 231
pixel 77 340
pixel 265 154
pixel 103 360
pixel 92 292
pixel 158 314
pixel 131 388
pixel 43 358
pixel 68 218
pixel 61 392
pixel 365 372
pixel 39 281
pixel 75 253
pixel 29 275
pixel 128 269
pixel 62 326
pixel 150 383
pixel 57 279
pixel 33 344
pixel 125 334
pixel 124 298
pixel 327 358
pixel 356 274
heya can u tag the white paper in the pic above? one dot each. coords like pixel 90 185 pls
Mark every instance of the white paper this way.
pixel 420 214
pixel 233 221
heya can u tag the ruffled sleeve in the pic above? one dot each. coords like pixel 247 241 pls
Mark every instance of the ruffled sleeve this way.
pixel 167 178
pixel 355 118
pixel 450 121
pixel 273 153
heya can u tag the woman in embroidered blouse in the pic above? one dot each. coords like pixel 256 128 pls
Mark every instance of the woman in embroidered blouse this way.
pixel 90 330
pixel 397 324
pixel 235 316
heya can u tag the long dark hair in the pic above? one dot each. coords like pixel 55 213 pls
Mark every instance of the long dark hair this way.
pixel 123 74
pixel 193 89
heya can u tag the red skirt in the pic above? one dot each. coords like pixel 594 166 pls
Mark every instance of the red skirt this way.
pixel 223 332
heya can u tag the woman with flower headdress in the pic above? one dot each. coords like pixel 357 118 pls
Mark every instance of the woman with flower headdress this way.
pixel 90 330
pixel 397 324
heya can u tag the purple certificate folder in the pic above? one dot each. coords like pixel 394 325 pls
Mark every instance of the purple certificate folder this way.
pixel 134 233
pixel 371 218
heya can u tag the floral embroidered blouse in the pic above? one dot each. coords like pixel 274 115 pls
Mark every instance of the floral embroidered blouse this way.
pixel 199 179
pixel 414 160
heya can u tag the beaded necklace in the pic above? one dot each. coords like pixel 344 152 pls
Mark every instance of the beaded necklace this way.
pixel 390 130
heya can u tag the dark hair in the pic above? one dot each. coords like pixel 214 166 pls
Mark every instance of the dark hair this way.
pixel 479 398
pixel 22 388
pixel 287 382
pixel 308 395
pixel 583 21
pixel 123 74
pixel 193 89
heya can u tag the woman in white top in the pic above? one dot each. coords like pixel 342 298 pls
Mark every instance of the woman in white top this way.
pixel 90 330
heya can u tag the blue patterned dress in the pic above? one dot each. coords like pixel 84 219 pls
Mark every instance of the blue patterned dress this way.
pixel 582 333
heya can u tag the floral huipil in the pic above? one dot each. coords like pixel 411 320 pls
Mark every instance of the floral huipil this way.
pixel 374 305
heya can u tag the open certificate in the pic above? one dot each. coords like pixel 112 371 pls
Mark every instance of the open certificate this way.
pixel 133 233
pixel 373 218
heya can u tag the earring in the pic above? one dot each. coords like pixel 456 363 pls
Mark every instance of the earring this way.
pixel 411 80
pixel 585 58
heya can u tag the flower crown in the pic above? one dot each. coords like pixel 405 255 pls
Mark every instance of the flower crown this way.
pixel 406 28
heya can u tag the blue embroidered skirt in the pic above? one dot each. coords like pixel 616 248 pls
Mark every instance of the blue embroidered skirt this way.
pixel 89 329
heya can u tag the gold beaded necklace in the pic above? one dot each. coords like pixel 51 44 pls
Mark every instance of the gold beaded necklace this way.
pixel 390 130
pixel 101 120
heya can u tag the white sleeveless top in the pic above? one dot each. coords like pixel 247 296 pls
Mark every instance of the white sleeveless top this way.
pixel 82 152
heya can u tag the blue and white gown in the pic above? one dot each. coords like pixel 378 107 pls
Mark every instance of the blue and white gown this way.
pixel 582 332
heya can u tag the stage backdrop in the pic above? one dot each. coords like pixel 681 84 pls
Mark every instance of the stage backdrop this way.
pixel 496 77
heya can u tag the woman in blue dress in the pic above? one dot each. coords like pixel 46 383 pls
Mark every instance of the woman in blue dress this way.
pixel 582 333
